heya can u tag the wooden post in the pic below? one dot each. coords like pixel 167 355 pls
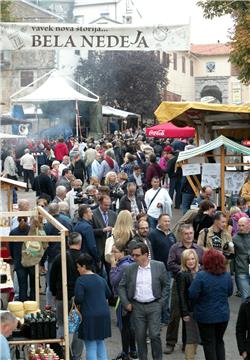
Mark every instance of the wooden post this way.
pixel 222 176
pixel 65 295
pixel 37 285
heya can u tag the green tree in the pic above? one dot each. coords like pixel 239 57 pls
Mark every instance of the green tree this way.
pixel 240 36
pixel 130 80
pixel 5 10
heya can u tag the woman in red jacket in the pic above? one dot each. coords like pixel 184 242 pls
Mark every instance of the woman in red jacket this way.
pixel 60 149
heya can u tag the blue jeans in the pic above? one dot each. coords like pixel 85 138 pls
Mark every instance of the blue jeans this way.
pixel 187 200
pixel 152 222
pixel 22 275
pixel 243 282
pixel 95 350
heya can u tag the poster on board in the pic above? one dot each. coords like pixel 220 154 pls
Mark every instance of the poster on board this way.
pixel 211 175
pixel 191 169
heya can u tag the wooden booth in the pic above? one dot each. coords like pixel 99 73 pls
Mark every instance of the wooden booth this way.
pixel 220 164
pixel 39 211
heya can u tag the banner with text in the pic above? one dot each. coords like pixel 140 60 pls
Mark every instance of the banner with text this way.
pixel 19 36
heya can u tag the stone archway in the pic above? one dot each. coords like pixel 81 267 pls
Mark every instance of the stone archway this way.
pixel 212 91
pixel 216 86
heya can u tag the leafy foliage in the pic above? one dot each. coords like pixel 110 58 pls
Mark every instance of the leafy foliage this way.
pixel 240 39
pixel 5 10
pixel 130 80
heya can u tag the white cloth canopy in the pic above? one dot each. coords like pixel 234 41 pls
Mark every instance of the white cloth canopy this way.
pixel 212 145
pixel 55 88
pixel 109 111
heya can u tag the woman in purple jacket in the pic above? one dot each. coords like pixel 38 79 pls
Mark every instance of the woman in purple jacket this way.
pixel 119 260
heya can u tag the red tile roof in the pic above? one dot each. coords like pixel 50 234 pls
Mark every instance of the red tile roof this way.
pixel 210 49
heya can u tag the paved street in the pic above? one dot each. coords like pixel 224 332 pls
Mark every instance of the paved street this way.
pixel 114 343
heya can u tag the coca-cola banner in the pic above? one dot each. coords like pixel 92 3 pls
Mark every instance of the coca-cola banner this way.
pixel 18 36
pixel 169 130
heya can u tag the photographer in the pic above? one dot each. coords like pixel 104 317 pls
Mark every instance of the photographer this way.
pixel 116 193
pixel 71 195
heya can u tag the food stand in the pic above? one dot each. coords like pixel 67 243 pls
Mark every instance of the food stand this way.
pixel 209 120
pixel 39 211
pixel 189 159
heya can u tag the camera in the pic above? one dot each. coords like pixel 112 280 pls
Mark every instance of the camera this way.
pixel 80 197
pixel 228 250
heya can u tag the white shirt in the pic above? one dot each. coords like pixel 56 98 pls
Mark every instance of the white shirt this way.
pixel 143 289
pixel 163 198
pixel 27 161
pixel 95 168
pixel 70 196
pixel 62 166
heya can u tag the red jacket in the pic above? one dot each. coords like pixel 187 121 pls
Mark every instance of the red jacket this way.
pixel 60 150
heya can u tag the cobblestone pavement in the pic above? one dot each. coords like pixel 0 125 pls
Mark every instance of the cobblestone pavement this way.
pixel 114 343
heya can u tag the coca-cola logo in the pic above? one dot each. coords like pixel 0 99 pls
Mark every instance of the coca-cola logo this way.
pixel 246 142
pixel 156 133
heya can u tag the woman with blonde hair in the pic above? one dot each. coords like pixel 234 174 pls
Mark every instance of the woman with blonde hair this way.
pixel 122 233
pixel 189 269
pixel 116 193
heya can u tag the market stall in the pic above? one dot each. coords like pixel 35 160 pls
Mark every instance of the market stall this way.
pixel 169 130
pixel 209 120
pixel 39 211
pixel 226 171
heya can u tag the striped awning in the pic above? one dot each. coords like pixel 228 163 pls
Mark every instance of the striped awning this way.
pixel 214 144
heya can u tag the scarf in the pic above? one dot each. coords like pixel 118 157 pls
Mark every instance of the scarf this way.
pixel 110 161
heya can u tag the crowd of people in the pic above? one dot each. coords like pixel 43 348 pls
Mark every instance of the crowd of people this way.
pixel 116 198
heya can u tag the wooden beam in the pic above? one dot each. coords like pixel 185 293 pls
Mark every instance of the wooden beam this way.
pixel 65 294
pixel 30 238
pixel 197 182
pixel 18 213
pixel 42 341
pixel 37 285
pixel 222 176
pixel 52 220
pixel 196 191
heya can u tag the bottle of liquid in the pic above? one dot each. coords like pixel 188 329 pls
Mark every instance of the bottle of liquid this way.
pixel 33 327
pixel 46 327
pixel 39 327
pixel 52 326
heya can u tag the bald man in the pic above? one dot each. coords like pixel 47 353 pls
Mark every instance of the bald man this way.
pixel 8 324
pixel 242 257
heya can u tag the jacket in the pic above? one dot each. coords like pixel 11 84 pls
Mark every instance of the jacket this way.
pixel 243 327
pixel 16 247
pixel 153 170
pixel 60 150
pixel 115 274
pixel 209 294
pixel 211 240
pixel 88 238
pixel 242 252
pixel 127 284
pixel 183 282
pixel 44 185
pixel 161 244
pixel 125 203
pixel 55 280
pixel 98 225
pixel 245 192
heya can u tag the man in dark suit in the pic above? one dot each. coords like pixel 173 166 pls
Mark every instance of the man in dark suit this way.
pixel 43 184
pixel 143 291
pixel 103 222
pixel 131 201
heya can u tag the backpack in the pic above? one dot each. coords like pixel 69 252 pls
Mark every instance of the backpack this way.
pixel 32 251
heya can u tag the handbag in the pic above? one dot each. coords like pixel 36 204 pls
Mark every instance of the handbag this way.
pixel 32 251
pixel 74 318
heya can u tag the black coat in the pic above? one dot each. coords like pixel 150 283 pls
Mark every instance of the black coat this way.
pixel 243 327
pixel 183 281
pixel 55 281
pixel 125 204
pixel 44 185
